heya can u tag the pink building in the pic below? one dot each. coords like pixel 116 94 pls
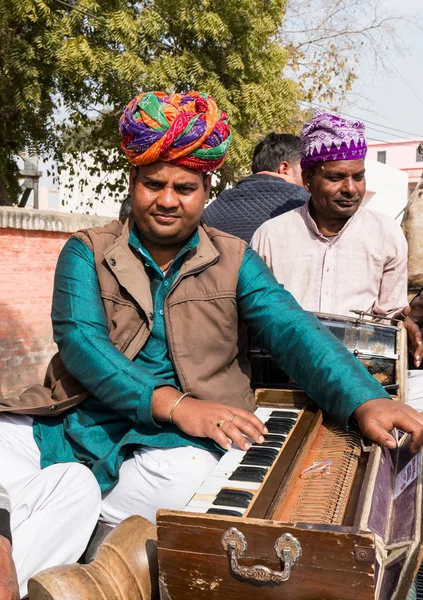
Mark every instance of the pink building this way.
pixel 401 154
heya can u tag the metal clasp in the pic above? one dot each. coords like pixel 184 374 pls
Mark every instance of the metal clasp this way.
pixel 287 548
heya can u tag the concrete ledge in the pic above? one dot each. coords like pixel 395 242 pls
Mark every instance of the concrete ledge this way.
pixel 45 220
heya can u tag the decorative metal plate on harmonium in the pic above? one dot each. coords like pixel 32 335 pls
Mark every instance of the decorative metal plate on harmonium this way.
pixel 381 348
pixel 312 514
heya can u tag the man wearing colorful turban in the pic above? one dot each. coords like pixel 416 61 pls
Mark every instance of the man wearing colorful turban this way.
pixel 151 381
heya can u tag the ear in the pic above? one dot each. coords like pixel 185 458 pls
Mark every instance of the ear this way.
pixel 133 174
pixel 284 168
pixel 307 177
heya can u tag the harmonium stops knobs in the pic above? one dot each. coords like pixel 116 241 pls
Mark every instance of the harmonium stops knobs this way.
pixel 287 548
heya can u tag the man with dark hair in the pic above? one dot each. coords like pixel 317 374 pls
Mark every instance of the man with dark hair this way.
pixel 273 189
pixel 151 382
pixel 279 153
pixel 332 254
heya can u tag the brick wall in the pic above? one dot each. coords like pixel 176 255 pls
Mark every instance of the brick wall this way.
pixel 30 242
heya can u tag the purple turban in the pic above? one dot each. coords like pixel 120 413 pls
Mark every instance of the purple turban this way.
pixel 329 137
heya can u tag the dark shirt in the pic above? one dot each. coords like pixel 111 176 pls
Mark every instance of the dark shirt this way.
pixel 254 200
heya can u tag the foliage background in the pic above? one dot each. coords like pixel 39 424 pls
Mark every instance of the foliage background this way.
pixel 68 67
pixel 67 70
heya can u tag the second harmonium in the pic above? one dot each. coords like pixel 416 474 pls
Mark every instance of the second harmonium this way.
pixel 313 513
pixel 381 348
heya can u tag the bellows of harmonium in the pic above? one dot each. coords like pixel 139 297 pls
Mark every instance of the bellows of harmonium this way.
pixel 314 513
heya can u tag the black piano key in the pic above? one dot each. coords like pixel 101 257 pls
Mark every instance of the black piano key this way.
pixel 284 415
pixel 238 498
pixel 267 453
pixel 260 454
pixel 278 427
pixel 268 445
pixel 222 511
pixel 248 474
pixel 280 423
pixel 260 449
pixel 243 493
pixel 285 422
pixel 275 437
pixel 289 422
pixel 259 461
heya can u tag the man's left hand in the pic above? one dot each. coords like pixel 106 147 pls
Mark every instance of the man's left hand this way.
pixel 415 342
pixel 376 418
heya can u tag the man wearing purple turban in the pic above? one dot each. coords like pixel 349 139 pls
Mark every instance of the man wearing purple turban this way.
pixel 151 382
pixel 332 254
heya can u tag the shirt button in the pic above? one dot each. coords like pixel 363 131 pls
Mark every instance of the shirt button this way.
pixel 166 284
pixel 147 265
pixel 112 262
pixel 151 316
pixel 161 312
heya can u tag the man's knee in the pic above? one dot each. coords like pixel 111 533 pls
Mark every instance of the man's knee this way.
pixel 81 485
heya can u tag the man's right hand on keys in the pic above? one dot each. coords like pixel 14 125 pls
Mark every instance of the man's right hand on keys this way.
pixel 202 418
pixel 224 424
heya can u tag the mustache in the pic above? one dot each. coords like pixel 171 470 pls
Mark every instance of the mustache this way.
pixel 341 198
pixel 165 212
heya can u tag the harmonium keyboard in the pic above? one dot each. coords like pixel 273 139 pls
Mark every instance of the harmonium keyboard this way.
pixel 313 513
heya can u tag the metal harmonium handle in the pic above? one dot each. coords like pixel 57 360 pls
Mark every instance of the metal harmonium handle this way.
pixel 287 548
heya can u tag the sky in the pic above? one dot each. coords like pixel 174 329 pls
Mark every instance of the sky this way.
pixel 395 99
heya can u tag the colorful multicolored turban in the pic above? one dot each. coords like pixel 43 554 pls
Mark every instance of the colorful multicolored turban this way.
pixel 329 137
pixel 185 129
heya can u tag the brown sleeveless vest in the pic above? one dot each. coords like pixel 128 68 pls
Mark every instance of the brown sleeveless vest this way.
pixel 206 342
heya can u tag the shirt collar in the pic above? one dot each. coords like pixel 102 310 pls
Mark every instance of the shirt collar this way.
pixel 311 223
pixel 136 243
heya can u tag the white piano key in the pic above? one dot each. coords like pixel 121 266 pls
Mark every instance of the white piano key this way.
pixel 264 412
pixel 213 485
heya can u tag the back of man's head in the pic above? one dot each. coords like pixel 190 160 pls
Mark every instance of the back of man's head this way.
pixel 275 149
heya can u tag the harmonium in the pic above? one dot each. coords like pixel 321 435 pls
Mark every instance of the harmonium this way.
pixel 314 513
pixel 380 347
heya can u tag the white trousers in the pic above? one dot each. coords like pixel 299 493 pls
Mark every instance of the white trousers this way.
pixel 54 510
pixel 415 389
pixel 156 478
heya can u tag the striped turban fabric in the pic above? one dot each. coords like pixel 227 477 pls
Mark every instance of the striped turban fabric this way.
pixel 184 129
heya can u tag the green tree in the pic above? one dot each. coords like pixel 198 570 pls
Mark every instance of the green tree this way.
pixel 68 68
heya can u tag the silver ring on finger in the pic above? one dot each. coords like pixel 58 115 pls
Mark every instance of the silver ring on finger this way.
pixel 231 418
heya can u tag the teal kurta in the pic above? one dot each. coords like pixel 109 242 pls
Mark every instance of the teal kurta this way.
pixel 105 428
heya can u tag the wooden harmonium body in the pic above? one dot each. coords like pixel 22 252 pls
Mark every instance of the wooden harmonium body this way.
pixel 381 348
pixel 320 516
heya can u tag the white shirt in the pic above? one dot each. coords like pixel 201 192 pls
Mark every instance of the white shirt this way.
pixel 364 267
